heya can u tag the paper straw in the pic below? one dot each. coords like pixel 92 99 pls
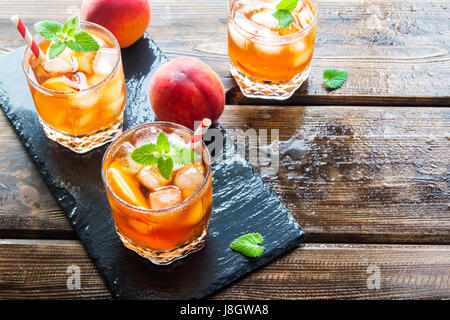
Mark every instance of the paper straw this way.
pixel 26 35
pixel 199 133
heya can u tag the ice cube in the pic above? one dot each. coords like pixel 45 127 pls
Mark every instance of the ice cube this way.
pixel 95 79
pixel 194 214
pixel 237 38
pixel 305 16
pixel 124 150
pixel 114 107
pixel 86 118
pixel 57 66
pixel 123 155
pixel 113 90
pixel 265 19
pixel 83 100
pixel 128 164
pixel 85 61
pixel 151 178
pixel 300 52
pixel 164 198
pixel 267 49
pixel 105 60
pixel 100 42
pixel 190 176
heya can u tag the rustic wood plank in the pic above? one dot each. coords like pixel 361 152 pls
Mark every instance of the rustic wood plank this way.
pixel 347 174
pixel 360 175
pixel 27 208
pixel 396 52
pixel 37 269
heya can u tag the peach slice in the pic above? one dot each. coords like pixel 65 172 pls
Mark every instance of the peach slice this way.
pixel 61 84
pixel 126 186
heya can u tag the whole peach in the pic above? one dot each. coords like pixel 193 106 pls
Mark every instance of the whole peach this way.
pixel 185 90
pixel 126 19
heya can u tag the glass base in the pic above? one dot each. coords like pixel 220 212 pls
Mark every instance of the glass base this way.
pixel 166 257
pixel 266 89
pixel 83 144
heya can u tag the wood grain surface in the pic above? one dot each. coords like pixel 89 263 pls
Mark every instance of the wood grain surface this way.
pixel 396 52
pixel 370 185
pixel 38 269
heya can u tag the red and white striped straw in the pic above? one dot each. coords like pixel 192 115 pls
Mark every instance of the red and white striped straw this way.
pixel 26 35
pixel 199 133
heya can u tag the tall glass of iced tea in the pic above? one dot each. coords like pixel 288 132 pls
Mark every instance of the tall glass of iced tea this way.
pixel 267 60
pixel 162 219
pixel 79 96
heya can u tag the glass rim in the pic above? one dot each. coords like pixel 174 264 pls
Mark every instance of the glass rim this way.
pixel 180 205
pixel 38 37
pixel 290 37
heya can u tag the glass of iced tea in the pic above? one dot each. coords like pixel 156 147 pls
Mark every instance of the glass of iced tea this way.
pixel 162 219
pixel 267 60
pixel 79 96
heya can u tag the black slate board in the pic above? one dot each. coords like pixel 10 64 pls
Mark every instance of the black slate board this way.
pixel 242 202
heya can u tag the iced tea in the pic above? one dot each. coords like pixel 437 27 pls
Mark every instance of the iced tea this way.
pixel 266 60
pixel 161 219
pixel 79 96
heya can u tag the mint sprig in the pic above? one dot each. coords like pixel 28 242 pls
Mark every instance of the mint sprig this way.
pixel 334 78
pixel 248 245
pixel 283 12
pixel 163 154
pixel 66 36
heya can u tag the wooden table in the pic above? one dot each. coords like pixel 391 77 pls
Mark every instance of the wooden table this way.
pixel 369 182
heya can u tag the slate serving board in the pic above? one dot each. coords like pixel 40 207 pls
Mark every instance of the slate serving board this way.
pixel 242 202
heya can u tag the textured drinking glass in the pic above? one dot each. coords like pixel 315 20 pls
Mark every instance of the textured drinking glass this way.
pixel 268 61
pixel 85 119
pixel 160 235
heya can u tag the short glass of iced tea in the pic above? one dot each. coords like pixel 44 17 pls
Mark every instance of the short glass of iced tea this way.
pixel 266 60
pixel 161 219
pixel 79 96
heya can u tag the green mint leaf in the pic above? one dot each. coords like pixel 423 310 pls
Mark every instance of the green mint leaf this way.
pixel 248 245
pixel 48 29
pixel 287 5
pixel 334 78
pixel 284 18
pixel 83 42
pixel 71 25
pixel 165 167
pixel 283 13
pixel 183 155
pixel 162 143
pixel 63 36
pixel 56 48
pixel 145 155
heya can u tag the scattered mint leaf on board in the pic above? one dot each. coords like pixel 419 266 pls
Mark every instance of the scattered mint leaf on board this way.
pixel 283 12
pixel 63 36
pixel 163 155
pixel 334 78
pixel 248 245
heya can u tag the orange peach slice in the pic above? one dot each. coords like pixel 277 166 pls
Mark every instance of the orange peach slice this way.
pixel 125 186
